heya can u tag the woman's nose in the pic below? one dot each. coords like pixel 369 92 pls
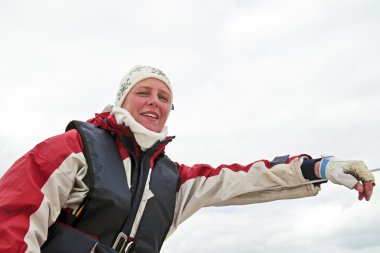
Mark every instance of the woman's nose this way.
pixel 153 101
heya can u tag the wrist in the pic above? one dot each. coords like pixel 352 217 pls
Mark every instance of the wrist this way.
pixel 316 169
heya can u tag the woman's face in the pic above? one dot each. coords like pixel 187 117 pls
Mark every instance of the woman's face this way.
pixel 149 103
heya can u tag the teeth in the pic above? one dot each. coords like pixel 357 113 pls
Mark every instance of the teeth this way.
pixel 150 115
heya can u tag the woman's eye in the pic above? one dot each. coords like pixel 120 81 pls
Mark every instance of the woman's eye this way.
pixel 142 93
pixel 165 99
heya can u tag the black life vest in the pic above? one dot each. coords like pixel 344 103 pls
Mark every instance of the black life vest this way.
pixel 109 200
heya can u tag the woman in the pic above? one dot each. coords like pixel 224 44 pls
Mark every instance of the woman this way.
pixel 106 185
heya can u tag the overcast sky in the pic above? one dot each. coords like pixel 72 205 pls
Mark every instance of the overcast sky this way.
pixel 252 80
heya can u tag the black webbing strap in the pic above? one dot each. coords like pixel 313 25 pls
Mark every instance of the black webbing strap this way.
pixel 139 176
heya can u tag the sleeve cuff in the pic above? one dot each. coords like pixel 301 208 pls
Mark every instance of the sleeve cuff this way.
pixel 307 169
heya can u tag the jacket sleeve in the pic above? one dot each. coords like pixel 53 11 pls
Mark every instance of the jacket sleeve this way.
pixel 202 185
pixel 35 188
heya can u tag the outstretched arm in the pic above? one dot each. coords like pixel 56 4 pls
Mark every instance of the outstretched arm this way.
pixel 202 185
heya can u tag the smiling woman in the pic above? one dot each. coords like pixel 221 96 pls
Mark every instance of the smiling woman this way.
pixel 107 186
pixel 149 103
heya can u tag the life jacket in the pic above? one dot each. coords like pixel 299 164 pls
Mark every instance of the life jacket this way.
pixel 109 203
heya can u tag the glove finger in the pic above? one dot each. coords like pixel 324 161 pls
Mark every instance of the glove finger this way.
pixel 368 189
pixel 365 190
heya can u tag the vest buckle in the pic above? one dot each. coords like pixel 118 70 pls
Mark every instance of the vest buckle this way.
pixel 123 243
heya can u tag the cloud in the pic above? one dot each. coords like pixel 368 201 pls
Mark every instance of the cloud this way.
pixel 252 80
pixel 307 225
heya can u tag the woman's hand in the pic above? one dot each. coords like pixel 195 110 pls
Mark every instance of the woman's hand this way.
pixel 352 174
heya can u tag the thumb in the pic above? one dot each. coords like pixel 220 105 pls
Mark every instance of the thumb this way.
pixel 339 176
pixel 361 190
pixel 359 187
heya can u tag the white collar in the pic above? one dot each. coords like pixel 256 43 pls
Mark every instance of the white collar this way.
pixel 144 137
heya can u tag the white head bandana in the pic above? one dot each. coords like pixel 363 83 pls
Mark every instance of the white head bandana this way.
pixel 137 74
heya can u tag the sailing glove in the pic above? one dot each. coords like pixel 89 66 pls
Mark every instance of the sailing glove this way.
pixel 346 173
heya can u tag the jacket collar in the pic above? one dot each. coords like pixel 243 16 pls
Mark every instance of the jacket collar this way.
pixel 108 122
